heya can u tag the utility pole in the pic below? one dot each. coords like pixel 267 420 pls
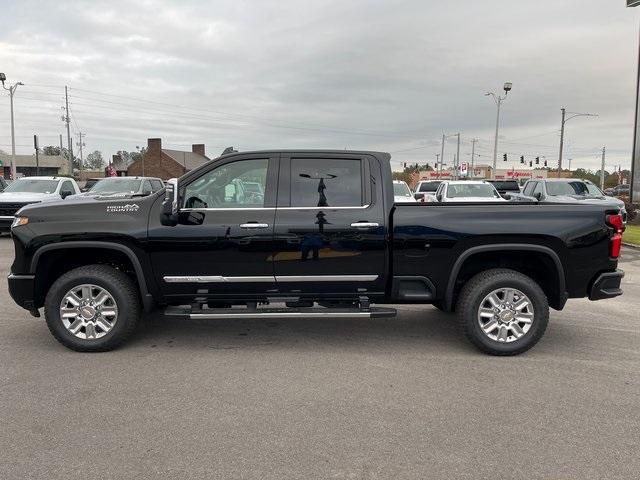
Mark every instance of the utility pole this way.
pixel 442 154
pixel 82 144
pixel 498 99
pixel 12 91
pixel 437 161
pixel 36 147
pixel 564 113
pixel 565 120
pixel 457 167
pixel 473 152
pixel 67 120
pixel 602 169
pixel 62 155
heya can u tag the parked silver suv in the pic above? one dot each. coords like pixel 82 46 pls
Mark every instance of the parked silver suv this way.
pixel 570 190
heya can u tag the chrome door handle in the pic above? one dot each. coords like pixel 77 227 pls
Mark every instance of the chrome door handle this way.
pixel 254 225
pixel 364 225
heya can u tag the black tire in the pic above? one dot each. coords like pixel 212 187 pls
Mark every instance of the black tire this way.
pixel 481 285
pixel 120 287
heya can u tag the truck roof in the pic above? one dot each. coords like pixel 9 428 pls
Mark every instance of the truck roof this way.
pixel 318 151
pixel 43 178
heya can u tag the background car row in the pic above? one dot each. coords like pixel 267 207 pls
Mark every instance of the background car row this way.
pixel 29 190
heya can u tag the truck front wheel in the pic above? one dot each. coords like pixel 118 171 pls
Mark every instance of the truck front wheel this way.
pixel 502 312
pixel 93 308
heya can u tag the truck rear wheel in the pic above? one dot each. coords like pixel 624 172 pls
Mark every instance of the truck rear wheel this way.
pixel 502 312
pixel 93 308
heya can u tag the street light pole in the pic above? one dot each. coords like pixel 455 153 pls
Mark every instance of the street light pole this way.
pixel 498 99
pixel 565 119
pixel 12 90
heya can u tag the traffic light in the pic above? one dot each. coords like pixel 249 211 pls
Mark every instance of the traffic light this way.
pixel 505 157
pixel 531 163
pixel 537 160
pixel 521 158
pixel 405 164
pixel 545 163
pixel 427 165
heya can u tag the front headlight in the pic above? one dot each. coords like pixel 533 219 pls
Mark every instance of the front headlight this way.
pixel 18 221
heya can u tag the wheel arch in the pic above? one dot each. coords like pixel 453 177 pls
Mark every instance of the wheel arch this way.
pixel 108 247
pixel 557 301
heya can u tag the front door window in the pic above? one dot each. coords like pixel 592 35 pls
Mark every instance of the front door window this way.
pixel 234 185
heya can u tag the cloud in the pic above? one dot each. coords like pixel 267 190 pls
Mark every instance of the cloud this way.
pixel 363 74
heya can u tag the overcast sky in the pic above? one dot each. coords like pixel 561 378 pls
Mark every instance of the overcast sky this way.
pixel 378 75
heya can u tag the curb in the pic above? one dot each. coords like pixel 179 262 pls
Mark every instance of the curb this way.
pixel 631 245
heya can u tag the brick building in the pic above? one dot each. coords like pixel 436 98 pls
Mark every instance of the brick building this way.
pixel 165 163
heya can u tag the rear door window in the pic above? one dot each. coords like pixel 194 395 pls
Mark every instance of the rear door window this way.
pixel 528 189
pixel 538 188
pixel 67 188
pixel 326 182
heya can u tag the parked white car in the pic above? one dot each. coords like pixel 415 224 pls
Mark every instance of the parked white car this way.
pixel 426 190
pixel 28 190
pixel 467 191
pixel 402 192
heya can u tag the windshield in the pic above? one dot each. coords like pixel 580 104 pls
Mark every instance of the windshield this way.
pixel 33 186
pixel 401 190
pixel 429 186
pixel 472 190
pixel 593 190
pixel 117 185
pixel 567 188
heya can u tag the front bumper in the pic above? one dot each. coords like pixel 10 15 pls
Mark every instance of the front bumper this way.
pixel 22 290
pixel 5 223
pixel 606 285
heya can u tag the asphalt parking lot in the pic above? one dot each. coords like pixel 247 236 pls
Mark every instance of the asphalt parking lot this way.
pixel 342 399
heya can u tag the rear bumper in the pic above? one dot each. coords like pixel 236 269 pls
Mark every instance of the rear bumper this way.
pixel 606 285
pixel 22 290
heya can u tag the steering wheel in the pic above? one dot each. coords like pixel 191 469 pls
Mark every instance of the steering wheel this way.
pixel 195 202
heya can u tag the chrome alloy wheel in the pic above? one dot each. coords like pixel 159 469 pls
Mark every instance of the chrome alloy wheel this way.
pixel 505 315
pixel 88 311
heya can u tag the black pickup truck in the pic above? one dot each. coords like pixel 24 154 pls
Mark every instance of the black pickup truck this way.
pixel 307 234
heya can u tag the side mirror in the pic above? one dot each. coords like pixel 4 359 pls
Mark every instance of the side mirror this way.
pixel 439 197
pixel 64 194
pixel 538 196
pixel 169 214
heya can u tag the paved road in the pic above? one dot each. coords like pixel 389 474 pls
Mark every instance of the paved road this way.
pixel 340 399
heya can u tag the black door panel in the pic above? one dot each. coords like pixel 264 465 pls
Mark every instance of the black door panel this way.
pixel 329 238
pixel 222 246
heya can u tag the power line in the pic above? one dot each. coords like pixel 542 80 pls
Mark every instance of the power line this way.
pixel 237 115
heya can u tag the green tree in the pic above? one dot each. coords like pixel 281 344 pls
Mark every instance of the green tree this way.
pixel 53 150
pixel 94 161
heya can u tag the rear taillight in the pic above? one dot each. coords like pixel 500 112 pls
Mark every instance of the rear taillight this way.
pixel 616 222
